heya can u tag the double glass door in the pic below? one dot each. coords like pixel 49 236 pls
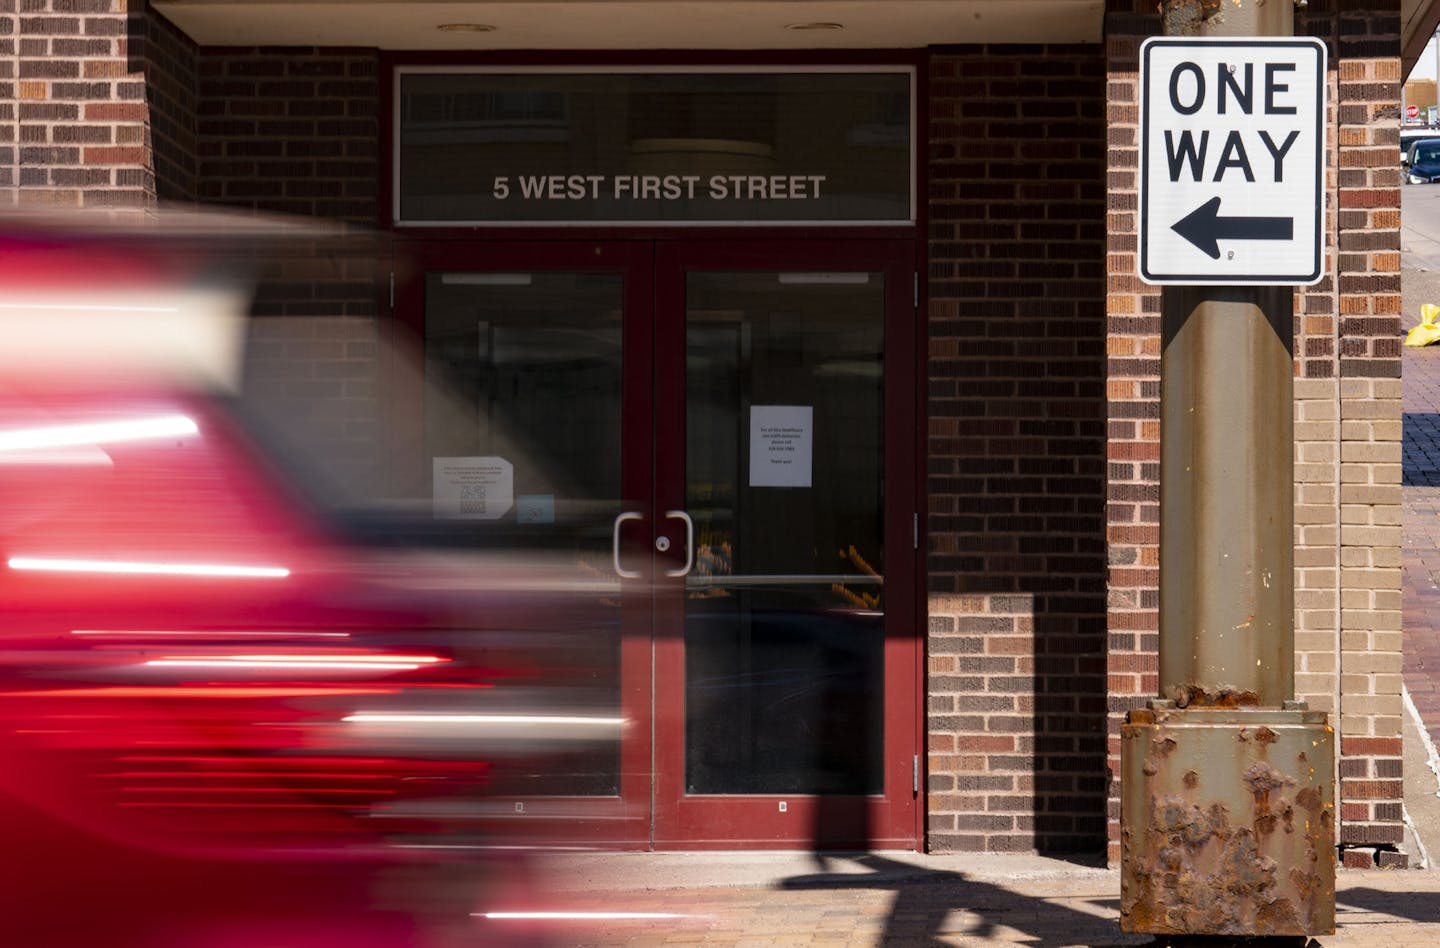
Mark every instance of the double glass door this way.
pixel 721 435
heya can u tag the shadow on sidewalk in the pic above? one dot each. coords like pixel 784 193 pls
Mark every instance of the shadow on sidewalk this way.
pixel 927 903
pixel 1410 905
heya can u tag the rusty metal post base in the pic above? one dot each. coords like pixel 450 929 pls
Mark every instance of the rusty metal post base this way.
pixel 1228 823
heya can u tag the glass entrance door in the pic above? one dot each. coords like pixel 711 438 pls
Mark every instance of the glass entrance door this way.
pixel 785 693
pixel 532 436
pixel 721 433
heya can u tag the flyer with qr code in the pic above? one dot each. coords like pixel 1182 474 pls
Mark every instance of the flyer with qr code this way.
pixel 473 488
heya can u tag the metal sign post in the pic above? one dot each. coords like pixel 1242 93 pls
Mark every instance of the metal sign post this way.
pixel 1228 806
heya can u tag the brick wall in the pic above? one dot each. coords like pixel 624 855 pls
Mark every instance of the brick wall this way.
pixel 314 379
pixel 1016 450
pixel 9 104
pixel 290 130
pixel 171 92
pixel 1347 419
pixel 73 127
pixel 296 132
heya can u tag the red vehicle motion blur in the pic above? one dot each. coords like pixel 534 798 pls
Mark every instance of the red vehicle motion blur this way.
pixel 224 719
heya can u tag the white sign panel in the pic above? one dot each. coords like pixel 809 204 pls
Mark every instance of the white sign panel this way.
pixel 473 488
pixel 1232 160
pixel 781 445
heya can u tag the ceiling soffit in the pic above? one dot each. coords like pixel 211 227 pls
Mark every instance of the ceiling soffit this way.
pixel 636 24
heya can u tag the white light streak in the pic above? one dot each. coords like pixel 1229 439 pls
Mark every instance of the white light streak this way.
pixel 522 720
pixel 345 662
pixel 44 564
pixel 292 663
pixel 90 308
pixel 103 432
pixel 211 633
pixel 577 916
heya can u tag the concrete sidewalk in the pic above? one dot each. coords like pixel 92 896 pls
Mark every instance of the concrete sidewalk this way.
pixel 898 899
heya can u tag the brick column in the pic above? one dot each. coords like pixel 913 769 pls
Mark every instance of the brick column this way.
pixel 1132 530
pixel 79 121
pixel 1347 414
pixel 9 106
pixel 1364 305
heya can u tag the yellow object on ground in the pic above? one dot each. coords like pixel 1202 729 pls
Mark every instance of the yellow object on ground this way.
pixel 1427 332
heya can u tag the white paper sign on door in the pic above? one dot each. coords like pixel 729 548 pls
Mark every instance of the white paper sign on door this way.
pixel 473 488
pixel 781 445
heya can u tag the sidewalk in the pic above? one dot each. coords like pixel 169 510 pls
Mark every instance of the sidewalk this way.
pixel 901 899
pixel 1421 536
pixel 1420 561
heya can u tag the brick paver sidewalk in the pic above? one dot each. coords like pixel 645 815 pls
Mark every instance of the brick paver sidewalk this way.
pixel 986 900
pixel 1421 558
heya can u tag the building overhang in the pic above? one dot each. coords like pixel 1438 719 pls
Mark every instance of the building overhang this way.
pixel 634 24
pixel 1418 20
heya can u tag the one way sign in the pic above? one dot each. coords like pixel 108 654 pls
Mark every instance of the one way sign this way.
pixel 1232 160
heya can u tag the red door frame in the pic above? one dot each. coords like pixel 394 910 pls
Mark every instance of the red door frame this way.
pixel 652 809
pixel 731 822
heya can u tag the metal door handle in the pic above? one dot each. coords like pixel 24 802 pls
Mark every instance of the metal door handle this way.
pixel 689 542
pixel 615 545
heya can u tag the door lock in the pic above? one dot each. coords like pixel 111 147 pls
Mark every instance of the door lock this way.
pixel 662 544
pixel 689 542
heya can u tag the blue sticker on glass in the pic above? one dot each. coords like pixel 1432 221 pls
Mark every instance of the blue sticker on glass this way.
pixel 535 508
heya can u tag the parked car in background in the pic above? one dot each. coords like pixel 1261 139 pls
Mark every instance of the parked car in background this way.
pixel 1411 135
pixel 1421 164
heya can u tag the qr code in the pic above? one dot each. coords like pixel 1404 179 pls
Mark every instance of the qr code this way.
pixel 472 498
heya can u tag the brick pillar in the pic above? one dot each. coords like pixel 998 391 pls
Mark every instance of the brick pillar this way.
pixel 78 117
pixel 9 107
pixel 1347 414
pixel 1360 505
pixel 172 93
pixel 1132 529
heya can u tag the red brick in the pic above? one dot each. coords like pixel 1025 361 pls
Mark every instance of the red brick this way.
pixel 116 155
pixel 115 111
pixel 1370 790
pixel 1372 746
pixel 1358 859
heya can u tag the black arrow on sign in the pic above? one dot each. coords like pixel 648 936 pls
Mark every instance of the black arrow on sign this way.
pixel 1204 227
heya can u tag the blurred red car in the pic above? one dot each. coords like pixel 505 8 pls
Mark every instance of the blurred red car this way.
pixel 223 719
